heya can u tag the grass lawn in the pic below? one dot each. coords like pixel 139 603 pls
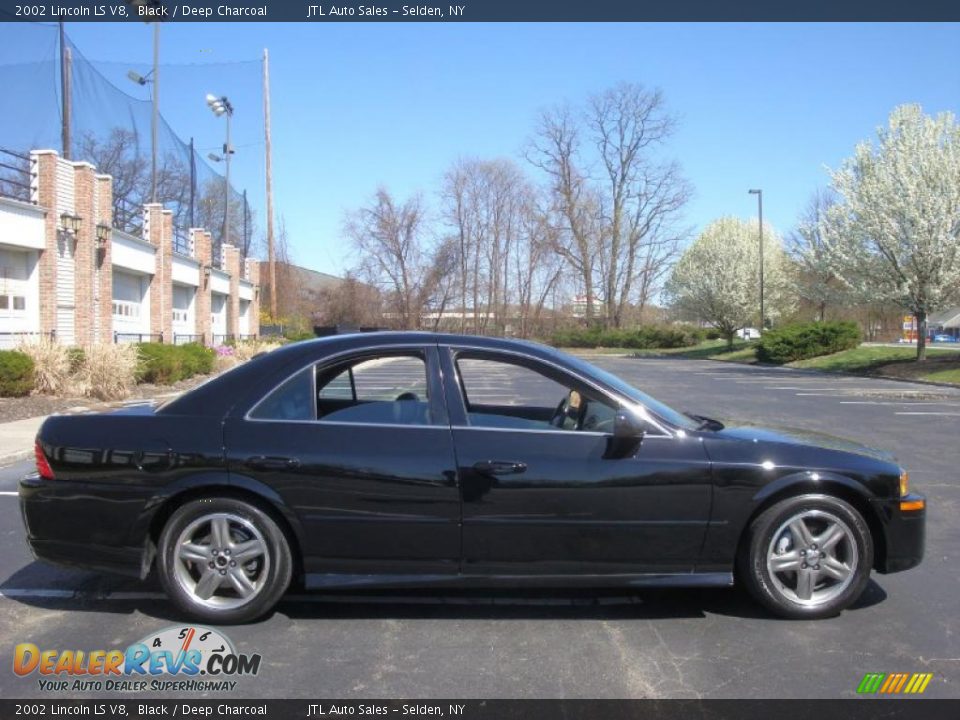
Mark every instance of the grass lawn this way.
pixel 940 366
pixel 707 350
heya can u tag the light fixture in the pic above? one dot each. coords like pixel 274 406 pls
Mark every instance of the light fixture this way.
pixel 214 157
pixel 206 272
pixel 138 78
pixel 219 105
pixel 70 223
pixel 103 234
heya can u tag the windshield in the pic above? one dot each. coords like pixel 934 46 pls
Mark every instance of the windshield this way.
pixel 658 408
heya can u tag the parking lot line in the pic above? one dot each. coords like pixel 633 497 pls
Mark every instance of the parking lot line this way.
pixel 953 414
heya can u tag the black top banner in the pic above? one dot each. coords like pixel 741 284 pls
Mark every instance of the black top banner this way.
pixel 480 11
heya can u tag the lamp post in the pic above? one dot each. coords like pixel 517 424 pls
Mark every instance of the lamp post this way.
pixel 220 106
pixel 759 194
pixel 155 100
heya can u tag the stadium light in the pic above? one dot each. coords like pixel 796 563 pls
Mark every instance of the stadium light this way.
pixel 220 106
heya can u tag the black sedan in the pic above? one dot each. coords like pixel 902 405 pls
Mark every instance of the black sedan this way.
pixel 412 459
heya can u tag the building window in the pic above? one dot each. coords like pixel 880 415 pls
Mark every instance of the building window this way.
pixel 179 315
pixel 16 303
pixel 125 309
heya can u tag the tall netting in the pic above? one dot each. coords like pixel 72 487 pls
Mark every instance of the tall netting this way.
pixel 110 124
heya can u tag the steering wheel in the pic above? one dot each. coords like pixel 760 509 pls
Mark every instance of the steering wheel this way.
pixel 572 407
pixel 408 395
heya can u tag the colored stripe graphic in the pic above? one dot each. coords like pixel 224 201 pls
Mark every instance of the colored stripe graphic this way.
pixel 871 682
pixel 894 683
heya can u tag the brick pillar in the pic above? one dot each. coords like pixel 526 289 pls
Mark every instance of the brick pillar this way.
pixel 157 231
pixel 202 252
pixel 231 263
pixel 45 162
pixel 253 275
pixel 104 262
pixel 84 258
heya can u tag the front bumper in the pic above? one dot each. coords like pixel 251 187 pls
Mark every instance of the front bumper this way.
pixel 904 533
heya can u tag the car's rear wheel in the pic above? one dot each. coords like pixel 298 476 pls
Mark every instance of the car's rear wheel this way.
pixel 807 556
pixel 223 560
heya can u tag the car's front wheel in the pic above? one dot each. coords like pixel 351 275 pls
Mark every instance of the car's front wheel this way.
pixel 807 556
pixel 223 560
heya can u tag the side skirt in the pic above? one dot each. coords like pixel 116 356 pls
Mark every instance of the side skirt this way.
pixel 317 581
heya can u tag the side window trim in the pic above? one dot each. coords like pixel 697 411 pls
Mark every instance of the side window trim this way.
pixel 454 387
pixel 432 368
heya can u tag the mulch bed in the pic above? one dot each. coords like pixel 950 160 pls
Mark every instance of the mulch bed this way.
pixel 38 405
pixel 911 370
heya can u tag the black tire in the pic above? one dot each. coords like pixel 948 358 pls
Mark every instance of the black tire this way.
pixel 772 589
pixel 268 572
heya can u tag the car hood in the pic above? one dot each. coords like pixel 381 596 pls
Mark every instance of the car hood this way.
pixel 805 438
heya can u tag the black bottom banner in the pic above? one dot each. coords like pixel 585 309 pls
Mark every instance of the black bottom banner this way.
pixel 850 709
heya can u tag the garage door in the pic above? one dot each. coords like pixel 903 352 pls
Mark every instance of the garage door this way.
pixel 129 314
pixel 16 315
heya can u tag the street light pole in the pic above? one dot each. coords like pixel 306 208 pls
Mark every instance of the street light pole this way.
pixel 759 194
pixel 221 106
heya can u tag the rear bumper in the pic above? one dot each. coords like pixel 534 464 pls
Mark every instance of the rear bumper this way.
pixel 61 530
pixel 904 534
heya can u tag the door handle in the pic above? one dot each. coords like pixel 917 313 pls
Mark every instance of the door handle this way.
pixel 500 467
pixel 263 462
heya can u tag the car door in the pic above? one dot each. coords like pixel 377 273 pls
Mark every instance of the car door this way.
pixel 359 448
pixel 546 496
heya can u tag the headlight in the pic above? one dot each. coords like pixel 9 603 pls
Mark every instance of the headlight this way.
pixel 904 483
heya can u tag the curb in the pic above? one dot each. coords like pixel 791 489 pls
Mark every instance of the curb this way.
pixel 11 458
pixel 840 373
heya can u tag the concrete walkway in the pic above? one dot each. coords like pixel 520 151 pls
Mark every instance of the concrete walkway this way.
pixel 17 438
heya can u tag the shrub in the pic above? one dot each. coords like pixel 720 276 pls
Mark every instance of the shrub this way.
pixel 109 370
pixel 166 364
pixel 643 337
pixel 51 365
pixel 76 357
pixel 807 340
pixel 197 359
pixel 16 373
pixel 297 335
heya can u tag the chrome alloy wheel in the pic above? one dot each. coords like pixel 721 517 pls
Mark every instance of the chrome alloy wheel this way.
pixel 222 561
pixel 812 557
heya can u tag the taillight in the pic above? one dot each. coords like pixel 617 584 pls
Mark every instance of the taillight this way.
pixel 43 467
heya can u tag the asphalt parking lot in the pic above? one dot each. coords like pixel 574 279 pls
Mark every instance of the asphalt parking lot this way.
pixel 664 644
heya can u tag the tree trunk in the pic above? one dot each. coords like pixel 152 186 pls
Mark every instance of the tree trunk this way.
pixel 921 336
pixel 729 335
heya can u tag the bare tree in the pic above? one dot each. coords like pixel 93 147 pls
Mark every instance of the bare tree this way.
pixel 621 228
pixel 390 239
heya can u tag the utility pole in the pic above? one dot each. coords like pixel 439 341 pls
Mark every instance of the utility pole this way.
pixel 65 91
pixel 155 118
pixel 759 194
pixel 271 259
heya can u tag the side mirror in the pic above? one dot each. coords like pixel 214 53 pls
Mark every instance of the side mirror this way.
pixel 625 426
pixel 627 436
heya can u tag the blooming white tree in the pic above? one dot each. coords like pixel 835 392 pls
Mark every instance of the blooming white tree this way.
pixel 895 234
pixel 813 278
pixel 717 279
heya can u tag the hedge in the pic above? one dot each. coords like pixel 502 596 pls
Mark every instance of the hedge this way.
pixel 16 374
pixel 644 337
pixel 807 340
pixel 166 364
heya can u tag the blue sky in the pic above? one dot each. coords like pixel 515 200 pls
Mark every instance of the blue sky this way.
pixel 361 105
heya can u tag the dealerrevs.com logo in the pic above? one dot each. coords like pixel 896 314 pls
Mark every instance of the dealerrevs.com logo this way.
pixel 176 659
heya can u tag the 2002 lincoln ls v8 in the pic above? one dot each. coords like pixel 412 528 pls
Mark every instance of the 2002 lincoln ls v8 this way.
pixel 404 459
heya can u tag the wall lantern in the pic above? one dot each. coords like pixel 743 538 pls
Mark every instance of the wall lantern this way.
pixel 206 274
pixel 70 223
pixel 103 234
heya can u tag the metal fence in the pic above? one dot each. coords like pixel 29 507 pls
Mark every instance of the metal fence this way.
pixel 10 340
pixel 223 339
pixel 120 337
pixel 15 175
pixel 183 339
